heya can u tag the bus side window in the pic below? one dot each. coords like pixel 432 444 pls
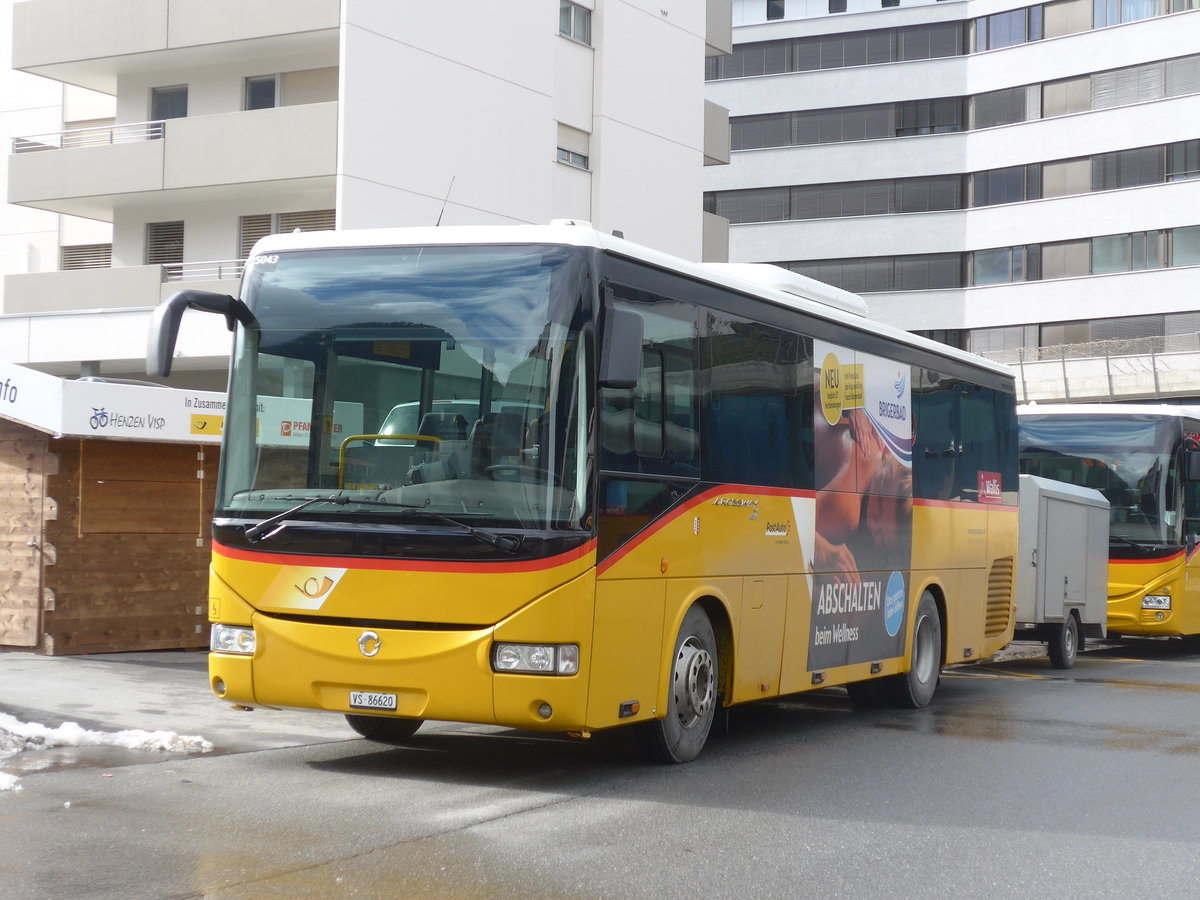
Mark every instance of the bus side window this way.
pixel 650 429
pixel 756 419
pixel 936 439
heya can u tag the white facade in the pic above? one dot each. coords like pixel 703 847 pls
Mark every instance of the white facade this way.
pixel 382 114
pixel 1086 133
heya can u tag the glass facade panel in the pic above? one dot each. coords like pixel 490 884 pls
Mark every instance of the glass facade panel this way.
pixel 1110 254
pixel 1185 246
pixel 991 266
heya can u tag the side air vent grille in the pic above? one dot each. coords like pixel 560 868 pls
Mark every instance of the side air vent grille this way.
pixel 999 596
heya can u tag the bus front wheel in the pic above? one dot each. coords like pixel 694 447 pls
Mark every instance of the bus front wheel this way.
pixel 914 689
pixel 384 729
pixel 692 699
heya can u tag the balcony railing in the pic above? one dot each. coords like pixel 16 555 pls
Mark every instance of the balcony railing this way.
pixel 1155 367
pixel 213 270
pixel 90 137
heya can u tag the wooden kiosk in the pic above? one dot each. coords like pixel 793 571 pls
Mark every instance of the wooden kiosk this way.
pixel 106 501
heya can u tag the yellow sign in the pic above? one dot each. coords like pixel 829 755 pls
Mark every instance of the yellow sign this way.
pixel 841 387
pixel 202 424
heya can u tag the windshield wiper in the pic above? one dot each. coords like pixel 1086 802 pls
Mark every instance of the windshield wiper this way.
pixel 255 533
pixel 506 542
pixel 1146 548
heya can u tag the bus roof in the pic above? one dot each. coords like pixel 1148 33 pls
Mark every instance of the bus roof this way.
pixel 1109 409
pixel 771 283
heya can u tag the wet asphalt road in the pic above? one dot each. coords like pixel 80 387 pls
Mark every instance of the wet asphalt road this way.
pixel 1020 780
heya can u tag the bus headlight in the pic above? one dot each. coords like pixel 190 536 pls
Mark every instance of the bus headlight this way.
pixel 1156 601
pixel 232 639
pixel 536 659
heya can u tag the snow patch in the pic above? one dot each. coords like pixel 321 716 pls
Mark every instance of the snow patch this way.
pixel 17 736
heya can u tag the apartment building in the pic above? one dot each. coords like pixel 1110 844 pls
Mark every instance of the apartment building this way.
pixel 229 120
pixel 1022 180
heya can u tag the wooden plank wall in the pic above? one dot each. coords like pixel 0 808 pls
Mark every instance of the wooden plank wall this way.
pixel 23 464
pixel 132 539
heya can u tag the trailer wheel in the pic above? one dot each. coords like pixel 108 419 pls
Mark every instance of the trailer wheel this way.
pixel 692 696
pixel 384 729
pixel 914 689
pixel 1064 643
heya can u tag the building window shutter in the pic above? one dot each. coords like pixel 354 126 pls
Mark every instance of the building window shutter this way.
pixel 1182 76
pixel 164 243
pixel 251 228
pixel 87 256
pixel 312 220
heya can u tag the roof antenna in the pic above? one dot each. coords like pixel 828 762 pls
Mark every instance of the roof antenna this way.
pixel 445 201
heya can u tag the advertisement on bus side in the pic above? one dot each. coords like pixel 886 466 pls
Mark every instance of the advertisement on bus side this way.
pixel 863 525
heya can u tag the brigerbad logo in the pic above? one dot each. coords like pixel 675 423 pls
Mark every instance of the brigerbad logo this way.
pixel 900 384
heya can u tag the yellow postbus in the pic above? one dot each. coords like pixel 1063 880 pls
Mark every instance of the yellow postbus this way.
pixel 1146 460
pixel 542 477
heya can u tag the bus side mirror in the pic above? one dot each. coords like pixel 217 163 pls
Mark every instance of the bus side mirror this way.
pixel 1193 465
pixel 164 324
pixel 621 350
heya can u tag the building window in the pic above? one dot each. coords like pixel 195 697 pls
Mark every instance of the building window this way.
pixel 774 9
pixel 1011 185
pixel 1004 265
pixel 888 3
pixel 164 243
pixel 837 6
pixel 1183 160
pixel 86 256
pixel 1128 252
pixel 261 92
pixel 940 116
pixel 575 22
pixel 571 158
pixel 1114 12
pixel 251 228
pixel 168 102
pixel 1185 246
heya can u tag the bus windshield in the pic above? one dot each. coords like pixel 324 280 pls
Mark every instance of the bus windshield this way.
pixel 412 385
pixel 1130 459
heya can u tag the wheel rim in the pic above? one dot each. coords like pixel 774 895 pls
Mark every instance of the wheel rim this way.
pixel 924 652
pixel 1069 642
pixel 693 683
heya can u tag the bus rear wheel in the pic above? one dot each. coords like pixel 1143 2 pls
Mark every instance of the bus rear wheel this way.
pixel 914 689
pixel 384 729
pixel 692 699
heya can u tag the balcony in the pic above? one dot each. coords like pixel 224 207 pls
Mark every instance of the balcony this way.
pixel 93 44
pixel 123 287
pixel 92 172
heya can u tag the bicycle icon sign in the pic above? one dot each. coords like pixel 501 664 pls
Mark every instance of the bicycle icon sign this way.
pixel 99 418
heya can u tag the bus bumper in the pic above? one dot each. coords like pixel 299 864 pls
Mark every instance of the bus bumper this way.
pixel 440 674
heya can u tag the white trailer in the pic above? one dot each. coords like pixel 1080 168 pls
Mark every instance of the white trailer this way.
pixel 1062 571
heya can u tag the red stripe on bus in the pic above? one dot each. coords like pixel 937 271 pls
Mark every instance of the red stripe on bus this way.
pixel 407 565
pixel 1152 561
pixel 658 524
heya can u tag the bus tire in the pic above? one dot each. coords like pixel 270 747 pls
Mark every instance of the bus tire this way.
pixel 914 689
pixel 384 729
pixel 692 698
pixel 1064 643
